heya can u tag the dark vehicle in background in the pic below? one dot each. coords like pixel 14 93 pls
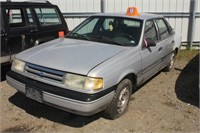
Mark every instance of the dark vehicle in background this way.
pixel 27 24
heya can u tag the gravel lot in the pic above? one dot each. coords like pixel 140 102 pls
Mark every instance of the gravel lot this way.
pixel 169 102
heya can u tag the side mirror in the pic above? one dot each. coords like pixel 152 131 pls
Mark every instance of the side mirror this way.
pixel 149 42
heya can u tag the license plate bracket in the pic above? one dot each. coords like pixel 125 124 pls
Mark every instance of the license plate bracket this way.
pixel 34 94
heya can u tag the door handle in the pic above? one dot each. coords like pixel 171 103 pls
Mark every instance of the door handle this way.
pixel 34 30
pixel 4 34
pixel 160 49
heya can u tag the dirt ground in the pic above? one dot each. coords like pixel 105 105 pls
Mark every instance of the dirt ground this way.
pixel 169 102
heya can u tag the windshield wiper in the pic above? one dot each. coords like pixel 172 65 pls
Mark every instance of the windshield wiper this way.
pixel 116 42
pixel 76 35
pixel 107 39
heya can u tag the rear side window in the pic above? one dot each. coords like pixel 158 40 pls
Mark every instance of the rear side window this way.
pixel 150 30
pixel 48 16
pixel 15 18
pixel 29 15
pixel 163 30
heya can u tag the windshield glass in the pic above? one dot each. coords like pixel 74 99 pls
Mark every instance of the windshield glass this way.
pixel 112 30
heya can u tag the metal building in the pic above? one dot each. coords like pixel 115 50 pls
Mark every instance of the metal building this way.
pixel 183 15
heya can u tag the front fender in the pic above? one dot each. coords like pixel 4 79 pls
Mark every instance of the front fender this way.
pixel 115 69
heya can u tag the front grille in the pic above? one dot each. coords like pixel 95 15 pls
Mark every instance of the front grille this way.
pixel 44 72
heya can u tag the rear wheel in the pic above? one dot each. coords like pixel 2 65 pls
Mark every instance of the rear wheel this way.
pixel 170 66
pixel 120 100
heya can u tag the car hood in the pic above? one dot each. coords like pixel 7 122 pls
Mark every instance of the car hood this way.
pixel 70 55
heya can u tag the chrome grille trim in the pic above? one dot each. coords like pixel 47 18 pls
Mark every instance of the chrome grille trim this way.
pixel 46 74
pixel 43 72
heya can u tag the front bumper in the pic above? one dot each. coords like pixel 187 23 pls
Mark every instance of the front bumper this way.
pixel 71 101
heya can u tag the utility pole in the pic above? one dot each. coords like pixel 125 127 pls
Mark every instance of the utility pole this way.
pixel 103 6
pixel 191 26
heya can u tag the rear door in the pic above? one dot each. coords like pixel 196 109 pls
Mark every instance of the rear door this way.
pixel 50 23
pixel 166 40
pixel 151 55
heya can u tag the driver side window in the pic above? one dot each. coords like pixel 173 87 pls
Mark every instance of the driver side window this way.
pixel 150 31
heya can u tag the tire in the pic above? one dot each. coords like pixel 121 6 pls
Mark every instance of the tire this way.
pixel 120 101
pixel 170 66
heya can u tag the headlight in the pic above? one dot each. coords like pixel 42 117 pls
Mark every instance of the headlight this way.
pixel 76 81
pixel 18 65
pixel 83 82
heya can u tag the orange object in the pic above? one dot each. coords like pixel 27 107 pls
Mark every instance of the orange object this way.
pixel 132 11
pixel 61 34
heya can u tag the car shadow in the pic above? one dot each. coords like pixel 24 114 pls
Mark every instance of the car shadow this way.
pixel 187 84
pixel 146 82
pixel 43 111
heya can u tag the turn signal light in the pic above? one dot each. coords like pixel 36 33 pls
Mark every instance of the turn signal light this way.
pixel 61 34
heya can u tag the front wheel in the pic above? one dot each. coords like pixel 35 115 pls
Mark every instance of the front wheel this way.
pixel 120 100
pixel 171 63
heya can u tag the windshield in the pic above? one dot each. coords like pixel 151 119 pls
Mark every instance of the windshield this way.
pixel 112 30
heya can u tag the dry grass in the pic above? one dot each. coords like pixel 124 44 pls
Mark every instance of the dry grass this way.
pixel 187 54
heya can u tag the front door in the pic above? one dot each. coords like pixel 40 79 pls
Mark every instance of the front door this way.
pixel 20 25
pixel 151 55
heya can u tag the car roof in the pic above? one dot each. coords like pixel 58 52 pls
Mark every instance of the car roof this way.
pixel 26 3
pixel 141 16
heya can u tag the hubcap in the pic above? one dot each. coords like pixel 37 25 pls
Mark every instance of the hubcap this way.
pixel 123 100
